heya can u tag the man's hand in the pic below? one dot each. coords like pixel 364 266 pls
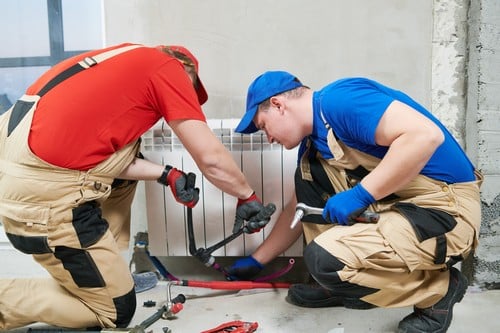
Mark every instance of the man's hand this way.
pixel 252 210
pixel 344 206
pixel 182 185
pixel 244 269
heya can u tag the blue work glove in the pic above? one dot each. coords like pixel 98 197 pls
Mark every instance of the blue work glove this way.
pixel 182 185
pixel 343 207
pixel 244 269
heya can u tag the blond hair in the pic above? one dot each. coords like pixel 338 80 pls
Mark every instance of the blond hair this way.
pixel 189 66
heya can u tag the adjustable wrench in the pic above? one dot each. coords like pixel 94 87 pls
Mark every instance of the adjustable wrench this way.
pixel 302 210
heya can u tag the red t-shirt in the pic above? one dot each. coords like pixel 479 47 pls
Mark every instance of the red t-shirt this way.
pixel 89 116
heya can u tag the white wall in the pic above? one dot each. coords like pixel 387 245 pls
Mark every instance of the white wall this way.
pixel 319 41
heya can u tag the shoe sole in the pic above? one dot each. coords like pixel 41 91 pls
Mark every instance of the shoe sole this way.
pixel 349 303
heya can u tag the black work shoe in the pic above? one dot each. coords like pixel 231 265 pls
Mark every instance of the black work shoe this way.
pixel 437 318
pixel 315 296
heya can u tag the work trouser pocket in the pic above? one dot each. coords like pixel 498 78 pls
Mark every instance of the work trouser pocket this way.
pixel 430 223
pixel 77 247
pixel 26 225
pixel 89 224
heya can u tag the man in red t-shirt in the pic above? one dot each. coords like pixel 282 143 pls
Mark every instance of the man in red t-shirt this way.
pixel 69 162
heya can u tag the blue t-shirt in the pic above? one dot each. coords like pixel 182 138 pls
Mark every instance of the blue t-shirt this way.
pixel 352 107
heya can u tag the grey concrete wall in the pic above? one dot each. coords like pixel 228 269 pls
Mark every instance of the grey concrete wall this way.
pixel 483 131
pixel 449 61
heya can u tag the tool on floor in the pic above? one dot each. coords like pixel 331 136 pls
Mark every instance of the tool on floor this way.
pixel 236 326
pixel 167 311
pixel 301 210
pixel 172 305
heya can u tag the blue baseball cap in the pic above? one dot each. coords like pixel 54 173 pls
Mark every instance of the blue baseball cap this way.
pixel 265 86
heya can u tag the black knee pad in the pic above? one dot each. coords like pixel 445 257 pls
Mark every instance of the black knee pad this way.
pixel 322 265
pixel 125 308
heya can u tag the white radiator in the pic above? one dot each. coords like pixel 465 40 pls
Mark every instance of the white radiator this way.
pixel 268 167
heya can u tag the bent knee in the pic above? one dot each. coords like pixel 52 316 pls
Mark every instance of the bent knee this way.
pixel 322 265
pixel 125 308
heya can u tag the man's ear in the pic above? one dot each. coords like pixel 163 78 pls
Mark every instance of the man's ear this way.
pixel 278 103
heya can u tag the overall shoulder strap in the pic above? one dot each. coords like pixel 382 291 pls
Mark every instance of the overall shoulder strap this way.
pixel 91 61
pixel 87 62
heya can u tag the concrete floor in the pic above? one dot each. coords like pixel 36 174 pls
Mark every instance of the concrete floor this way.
pixel 207 308
pixel 204 308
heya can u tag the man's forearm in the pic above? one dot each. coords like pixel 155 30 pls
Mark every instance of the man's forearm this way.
pixel 141 169
pixel 281 236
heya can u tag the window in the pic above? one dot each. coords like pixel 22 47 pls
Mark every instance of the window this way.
pixel 36 34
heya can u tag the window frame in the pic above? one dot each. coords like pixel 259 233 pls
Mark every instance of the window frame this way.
pixel 56 40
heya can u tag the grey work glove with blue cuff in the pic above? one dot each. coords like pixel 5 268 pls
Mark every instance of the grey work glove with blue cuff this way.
pixel 344 207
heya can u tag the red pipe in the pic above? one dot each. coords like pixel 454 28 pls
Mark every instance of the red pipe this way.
pixel 231 285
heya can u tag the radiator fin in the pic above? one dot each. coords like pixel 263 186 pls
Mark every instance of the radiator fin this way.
pixel 268 167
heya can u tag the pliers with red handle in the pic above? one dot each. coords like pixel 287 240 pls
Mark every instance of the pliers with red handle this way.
pixel 236 326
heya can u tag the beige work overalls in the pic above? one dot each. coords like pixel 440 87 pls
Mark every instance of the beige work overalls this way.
pixel 53 213
pixel 387 255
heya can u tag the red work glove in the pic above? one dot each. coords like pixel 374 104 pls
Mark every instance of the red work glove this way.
pixel 182 185
pixel 253 211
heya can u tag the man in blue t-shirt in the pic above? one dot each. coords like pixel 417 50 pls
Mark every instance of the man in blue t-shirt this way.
pixel 365 146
